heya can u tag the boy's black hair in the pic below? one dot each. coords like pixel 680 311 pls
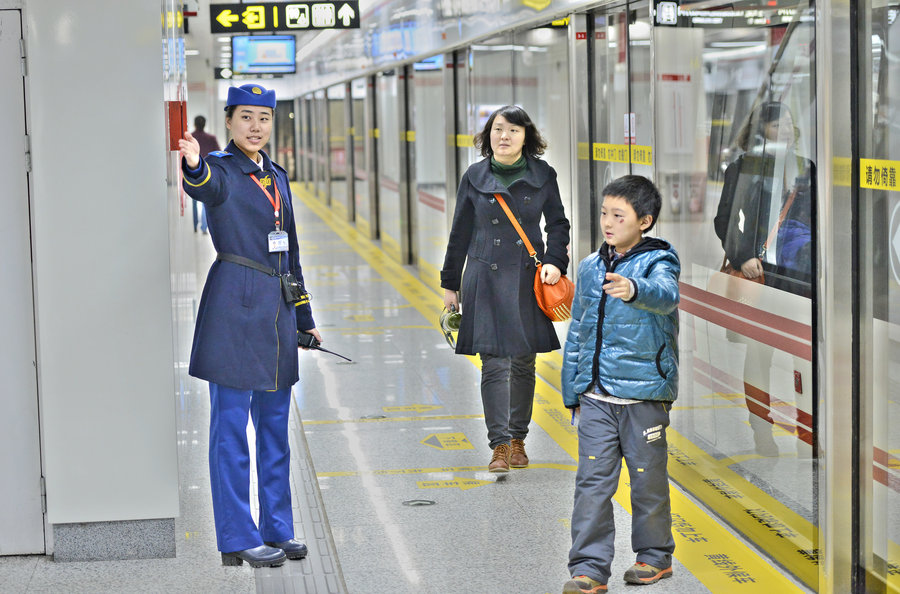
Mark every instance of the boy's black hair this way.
pixel 535 145
pixel 640 193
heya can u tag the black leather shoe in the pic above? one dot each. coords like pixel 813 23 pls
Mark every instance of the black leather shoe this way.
pixel 261 556
pixel 293 548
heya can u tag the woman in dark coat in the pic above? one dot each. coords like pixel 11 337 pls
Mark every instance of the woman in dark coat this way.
pixel 767 182
pixel 245 339
pixel 501 320
pixel 756 191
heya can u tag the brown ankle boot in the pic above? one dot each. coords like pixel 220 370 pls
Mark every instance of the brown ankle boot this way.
pixel 518 458
pixel 500 459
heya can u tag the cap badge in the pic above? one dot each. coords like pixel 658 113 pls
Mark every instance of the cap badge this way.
pixel 257 91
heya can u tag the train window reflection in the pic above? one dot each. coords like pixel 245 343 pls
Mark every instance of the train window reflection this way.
pixel 734 155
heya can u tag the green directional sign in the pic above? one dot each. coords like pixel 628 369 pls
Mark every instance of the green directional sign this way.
pixel 283 16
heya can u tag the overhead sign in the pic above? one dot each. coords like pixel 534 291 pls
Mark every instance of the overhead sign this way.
pixel 283 16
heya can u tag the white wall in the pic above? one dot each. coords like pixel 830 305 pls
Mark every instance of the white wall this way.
pixel 101 249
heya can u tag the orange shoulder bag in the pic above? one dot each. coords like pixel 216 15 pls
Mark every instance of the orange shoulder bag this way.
pixel 554 300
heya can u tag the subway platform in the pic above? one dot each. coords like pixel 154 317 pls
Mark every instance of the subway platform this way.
pixel 389 465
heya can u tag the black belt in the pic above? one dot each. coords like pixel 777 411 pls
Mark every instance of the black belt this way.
pixel 242 261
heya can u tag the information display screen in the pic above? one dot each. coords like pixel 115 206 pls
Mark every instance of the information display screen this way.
pixel 263 54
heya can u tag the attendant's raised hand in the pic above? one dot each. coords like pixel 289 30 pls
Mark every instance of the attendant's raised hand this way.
pixel 189 149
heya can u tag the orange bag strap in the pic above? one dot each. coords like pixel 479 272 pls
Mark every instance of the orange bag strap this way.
pixel 515 223
pixel 781 217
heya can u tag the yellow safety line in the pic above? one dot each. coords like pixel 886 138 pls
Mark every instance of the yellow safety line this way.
pixel 722 562
pixel 481 468
pixel 392 419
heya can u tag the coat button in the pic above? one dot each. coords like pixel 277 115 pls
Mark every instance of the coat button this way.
pixel 495 221
pixel 492 200
pixel 527 199
pixel 519 242
pixel 493 267
pixel 497 241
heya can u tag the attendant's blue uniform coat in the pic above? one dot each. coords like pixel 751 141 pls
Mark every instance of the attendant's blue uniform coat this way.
pixel 246 335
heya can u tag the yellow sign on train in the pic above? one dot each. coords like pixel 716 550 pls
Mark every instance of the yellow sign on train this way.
pixel 878 174
pixel 623 153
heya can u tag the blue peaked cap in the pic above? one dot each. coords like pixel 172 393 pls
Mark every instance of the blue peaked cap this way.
pixel 250 95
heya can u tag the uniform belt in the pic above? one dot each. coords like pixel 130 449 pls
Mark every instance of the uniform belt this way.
pixel 242 261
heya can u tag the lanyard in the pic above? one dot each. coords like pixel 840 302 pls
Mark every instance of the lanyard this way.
pixel 275 202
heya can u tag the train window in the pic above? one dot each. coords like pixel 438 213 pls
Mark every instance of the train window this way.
pixel 879 241
pixel 734 156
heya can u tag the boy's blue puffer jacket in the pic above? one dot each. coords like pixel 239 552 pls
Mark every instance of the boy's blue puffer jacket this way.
pixel 633 351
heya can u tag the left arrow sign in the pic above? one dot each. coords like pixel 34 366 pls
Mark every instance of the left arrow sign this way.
pixel 225 18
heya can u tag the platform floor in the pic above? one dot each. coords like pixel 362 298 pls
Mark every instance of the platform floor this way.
pixel 389 458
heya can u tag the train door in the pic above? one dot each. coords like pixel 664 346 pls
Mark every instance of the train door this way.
pixel 622 122
pixel 321 145
pixel 427 101
pixel 393 203
pixel 878 233
pixel 362 149
pixel 337 148
pixel 21 515
pixel 734 155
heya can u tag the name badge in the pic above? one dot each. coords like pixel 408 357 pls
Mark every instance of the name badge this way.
pixel 278 241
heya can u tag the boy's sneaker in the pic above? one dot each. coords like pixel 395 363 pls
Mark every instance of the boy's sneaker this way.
pixel 583 584
pixel 641 573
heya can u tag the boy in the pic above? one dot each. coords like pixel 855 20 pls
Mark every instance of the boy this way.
pixel 620 371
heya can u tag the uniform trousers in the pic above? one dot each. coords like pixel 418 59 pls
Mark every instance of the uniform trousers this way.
pixel 606 433
pixel 507 394
pixel 229 466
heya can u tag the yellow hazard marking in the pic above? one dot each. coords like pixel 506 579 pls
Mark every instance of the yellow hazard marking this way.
pixel 721 561
pixel 841 171
pixel 465 140
pixel 360 318
pixel 878 174
pixel 538 5
pixel 392 419
pixel 462 484
pixel 412 408
pixel 443 469
pixel 448 441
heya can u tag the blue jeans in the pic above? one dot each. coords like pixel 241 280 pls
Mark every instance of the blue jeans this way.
pixel 606 433
pixel 229 466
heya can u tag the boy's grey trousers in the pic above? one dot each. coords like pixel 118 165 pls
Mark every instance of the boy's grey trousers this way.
pixel 606 433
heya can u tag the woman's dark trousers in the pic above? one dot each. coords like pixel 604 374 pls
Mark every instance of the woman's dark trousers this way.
pixel 507 393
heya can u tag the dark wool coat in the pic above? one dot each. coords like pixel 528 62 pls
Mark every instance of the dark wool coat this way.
pixel 246 334
pixel 500 314
pixel 743 223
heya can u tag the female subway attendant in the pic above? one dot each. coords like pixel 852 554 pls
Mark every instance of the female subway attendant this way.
pixel 245 339
pixel 501 320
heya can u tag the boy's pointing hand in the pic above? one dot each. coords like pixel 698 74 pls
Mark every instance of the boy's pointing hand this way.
pixel 619 286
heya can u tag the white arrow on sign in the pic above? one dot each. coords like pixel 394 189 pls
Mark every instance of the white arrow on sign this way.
pixel 346 14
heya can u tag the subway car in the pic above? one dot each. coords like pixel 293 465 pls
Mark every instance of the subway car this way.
pixel 786 423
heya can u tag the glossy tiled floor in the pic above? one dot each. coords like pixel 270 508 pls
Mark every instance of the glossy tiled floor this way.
pixel 389 462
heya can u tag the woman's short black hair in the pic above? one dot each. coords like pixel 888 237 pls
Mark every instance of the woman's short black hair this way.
pixel 640 193
pixel 535 145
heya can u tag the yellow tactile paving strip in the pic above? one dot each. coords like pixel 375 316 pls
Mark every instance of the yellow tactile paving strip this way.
pixel 720 560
